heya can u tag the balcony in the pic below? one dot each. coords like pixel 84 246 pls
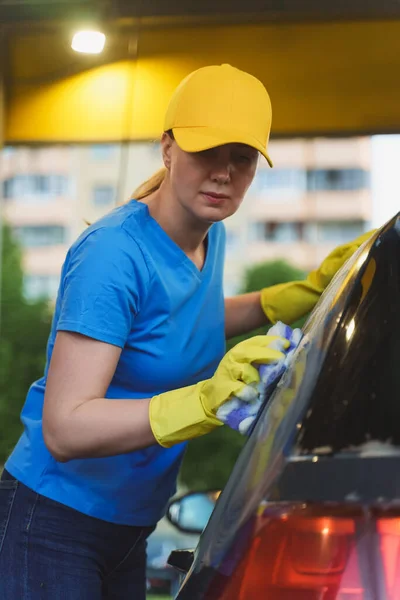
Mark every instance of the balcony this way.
pixel 25 211
pixel 304 255
pixel 312 207
pixel 46 260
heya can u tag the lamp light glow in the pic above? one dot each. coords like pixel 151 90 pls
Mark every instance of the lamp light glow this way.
pixel 88 42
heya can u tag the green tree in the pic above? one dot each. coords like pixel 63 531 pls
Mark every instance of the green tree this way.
pixel 24 329
pixel 209 460
pixel 267 274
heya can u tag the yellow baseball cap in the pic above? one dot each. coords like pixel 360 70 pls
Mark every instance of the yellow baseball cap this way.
pixel 219 105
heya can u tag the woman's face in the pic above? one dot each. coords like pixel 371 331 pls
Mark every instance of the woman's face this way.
pixel 210 184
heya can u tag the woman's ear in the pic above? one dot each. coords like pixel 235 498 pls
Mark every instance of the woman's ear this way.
pixel 166 146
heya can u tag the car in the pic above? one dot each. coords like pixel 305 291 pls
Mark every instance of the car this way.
pixel 161 577
pixel 312 508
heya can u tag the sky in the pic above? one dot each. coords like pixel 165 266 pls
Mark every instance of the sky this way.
pixel 385 178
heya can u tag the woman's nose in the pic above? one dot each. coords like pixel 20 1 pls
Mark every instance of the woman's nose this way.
pixel 221 174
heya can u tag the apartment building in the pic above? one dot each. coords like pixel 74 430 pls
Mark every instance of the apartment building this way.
pixel 317 196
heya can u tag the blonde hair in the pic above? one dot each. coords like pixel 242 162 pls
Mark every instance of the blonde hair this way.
pixel 150 185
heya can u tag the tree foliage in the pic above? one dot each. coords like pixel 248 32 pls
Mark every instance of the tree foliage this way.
pixel 210 459
pixel 24 329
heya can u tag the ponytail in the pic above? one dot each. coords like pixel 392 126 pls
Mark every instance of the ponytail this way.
pixel 154 182
pixel 150 185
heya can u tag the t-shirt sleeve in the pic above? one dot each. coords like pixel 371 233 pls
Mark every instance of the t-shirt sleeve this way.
pixel 104 283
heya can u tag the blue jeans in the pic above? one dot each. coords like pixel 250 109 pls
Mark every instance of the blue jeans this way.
pixel 51 552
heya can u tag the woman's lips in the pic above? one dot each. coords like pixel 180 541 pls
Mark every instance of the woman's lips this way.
pixel 214 198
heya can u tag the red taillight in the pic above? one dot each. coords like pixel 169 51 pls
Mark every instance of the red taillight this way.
pixel 310 552
pixel 389 536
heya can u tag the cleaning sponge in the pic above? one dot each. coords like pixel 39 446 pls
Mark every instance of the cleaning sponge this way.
pixel 240 412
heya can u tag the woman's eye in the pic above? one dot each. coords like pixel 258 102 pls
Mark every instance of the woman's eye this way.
pixel 243 158
pixel 209 153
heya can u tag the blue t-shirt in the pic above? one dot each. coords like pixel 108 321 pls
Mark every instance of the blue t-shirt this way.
pixel 126 283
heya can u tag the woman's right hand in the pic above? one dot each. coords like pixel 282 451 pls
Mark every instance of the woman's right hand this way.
pixel 237 369
pixel 190 412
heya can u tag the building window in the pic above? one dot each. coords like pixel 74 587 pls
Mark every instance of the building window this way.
pixel 41 286
pixel 339 232
pixel 337 179
pixel 256 232
pixel 231 289
pixel 103 151
pixel 103 195
pixel 280 180
pixel 284 232
pixel 155 148
pixel 277 232
pixel 232 240
pixel 58 185
pixel 31 236
pixel 7 188
pixel 35 186
pixel 8 151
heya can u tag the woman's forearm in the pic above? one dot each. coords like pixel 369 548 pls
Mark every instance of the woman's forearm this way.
pixel 243 314
pixel 98 428
pixel 78 421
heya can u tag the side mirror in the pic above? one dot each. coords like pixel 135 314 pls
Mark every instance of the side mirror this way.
pixel 191 512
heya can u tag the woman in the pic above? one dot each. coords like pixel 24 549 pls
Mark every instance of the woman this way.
pixel 140 316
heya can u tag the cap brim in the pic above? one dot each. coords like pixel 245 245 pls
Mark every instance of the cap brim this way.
pixel 196 139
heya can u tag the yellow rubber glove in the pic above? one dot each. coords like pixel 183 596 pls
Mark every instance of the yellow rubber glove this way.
pixel 189 412
pixel 288 302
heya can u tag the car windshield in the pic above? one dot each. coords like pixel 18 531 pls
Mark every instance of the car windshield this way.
pixel 340 397
pixel 355 403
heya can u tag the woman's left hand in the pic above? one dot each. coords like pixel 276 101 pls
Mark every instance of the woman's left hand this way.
pixel 288 302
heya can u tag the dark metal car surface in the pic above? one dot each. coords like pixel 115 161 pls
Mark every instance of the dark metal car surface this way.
pixel 331 430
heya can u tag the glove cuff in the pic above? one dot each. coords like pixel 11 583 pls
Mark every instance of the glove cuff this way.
pixel 288 302
pixel 178 416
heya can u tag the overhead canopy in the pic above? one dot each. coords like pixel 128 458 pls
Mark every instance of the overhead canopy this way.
pixel 324 75
pixel 47 11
